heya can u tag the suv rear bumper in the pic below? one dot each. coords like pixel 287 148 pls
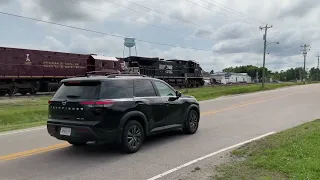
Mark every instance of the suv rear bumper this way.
pixel 83 132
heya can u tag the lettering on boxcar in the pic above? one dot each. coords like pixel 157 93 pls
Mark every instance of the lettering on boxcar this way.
pixel 28 61
pixel 62 65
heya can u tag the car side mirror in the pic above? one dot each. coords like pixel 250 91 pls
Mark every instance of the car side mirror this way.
pixel 178 94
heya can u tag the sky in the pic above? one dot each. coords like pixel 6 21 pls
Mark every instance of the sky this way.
pixel 216 33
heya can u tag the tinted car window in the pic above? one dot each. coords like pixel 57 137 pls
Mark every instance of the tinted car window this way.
pixel 143 88
pixel 116 89
pixel 163 89
pixel 83 90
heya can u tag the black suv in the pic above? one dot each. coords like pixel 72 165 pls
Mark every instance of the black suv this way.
pixel 119 109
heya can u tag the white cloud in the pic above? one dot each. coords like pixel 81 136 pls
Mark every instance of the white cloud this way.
pixel 233 42
pixel 53 44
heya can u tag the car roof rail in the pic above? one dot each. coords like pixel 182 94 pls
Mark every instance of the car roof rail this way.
pixel 125 74
pixel 103 73
pixel 80 76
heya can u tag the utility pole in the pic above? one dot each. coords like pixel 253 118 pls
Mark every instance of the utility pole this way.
pixel 304 52
pixel 265 28
pixel 318 69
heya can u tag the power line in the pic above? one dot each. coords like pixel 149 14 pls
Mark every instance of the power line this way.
pixel 213 10
pixel 173 17
pixel 97 32
pixel 145 7
pixel 186 34
pixel 227 8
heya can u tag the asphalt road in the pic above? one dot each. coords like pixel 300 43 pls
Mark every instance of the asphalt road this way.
pixel 34 155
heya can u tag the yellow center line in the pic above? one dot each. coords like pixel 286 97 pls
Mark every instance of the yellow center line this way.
pixel 33 152
pixel 64 145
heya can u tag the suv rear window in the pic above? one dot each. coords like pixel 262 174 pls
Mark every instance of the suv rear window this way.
pixel 79 90
pixel 116 89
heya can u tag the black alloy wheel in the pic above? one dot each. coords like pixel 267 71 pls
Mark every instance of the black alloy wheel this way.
pixel 192 122
pixel 133 136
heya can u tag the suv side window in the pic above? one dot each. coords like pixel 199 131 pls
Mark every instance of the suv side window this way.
pixel 116 89
pixel 163 89
pixel 143 88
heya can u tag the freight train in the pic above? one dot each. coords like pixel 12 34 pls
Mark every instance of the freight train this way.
pixel 30 71
pixel 182 73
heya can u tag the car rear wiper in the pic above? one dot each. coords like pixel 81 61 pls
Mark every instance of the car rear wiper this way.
pixel 72 96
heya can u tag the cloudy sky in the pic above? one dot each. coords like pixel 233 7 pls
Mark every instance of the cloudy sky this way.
pixel 216 33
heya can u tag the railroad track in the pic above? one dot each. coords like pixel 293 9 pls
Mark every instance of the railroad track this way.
pixel 27 96
pixel 52 93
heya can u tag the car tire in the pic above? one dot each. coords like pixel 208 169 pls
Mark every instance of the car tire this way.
pixel 77 143
pixel 192 122
pixel 133 136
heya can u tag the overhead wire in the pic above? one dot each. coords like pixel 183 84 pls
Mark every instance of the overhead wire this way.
pixel 226 8
pixel 231 10
pixel 83 29
pixel 157 26
pixel 197 5
pixel 170 16
pixel 214 11
pixel 98 32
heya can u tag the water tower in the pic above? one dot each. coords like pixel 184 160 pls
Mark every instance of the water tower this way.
pixel 129 43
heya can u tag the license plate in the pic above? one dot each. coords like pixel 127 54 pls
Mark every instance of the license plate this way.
pixel 65 131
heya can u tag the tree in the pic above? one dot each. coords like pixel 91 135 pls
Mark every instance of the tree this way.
pixel 314 74
pixel 291 74
pixel 249 69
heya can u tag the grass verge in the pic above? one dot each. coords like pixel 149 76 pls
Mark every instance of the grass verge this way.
pixel 206 93
pixel 19 113
pixel 291 154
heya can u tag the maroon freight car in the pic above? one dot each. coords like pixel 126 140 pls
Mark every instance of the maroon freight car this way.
pixel 31 71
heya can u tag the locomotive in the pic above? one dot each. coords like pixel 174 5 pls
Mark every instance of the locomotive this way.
pixel 30 71
pixel 181 73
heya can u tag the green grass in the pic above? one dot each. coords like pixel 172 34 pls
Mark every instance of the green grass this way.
pixel 205 93
pixel 291 154
pixel 21 113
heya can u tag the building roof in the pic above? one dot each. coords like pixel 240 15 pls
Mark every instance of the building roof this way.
pixel 228 74
pixel 194 61
pixel 104 58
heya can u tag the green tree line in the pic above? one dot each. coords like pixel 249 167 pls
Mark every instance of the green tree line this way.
pixel 291 74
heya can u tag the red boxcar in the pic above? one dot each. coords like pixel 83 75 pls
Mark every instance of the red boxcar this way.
pixel 22 63
pixel 30 71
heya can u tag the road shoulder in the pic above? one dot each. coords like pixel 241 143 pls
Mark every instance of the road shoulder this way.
pixel 292 153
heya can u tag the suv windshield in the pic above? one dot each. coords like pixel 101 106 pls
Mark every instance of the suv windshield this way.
pixel 81 90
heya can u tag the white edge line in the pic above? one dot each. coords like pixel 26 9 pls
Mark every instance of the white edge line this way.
pixel 21 131
pixel 207 156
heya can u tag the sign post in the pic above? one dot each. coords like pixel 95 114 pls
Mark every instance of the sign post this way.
pixel 186 81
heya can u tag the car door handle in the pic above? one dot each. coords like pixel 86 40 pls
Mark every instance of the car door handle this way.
pixel 139 102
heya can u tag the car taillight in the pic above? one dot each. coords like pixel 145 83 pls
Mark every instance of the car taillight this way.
pixel 49 102
pixel 105 103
